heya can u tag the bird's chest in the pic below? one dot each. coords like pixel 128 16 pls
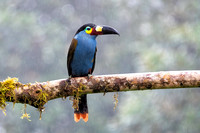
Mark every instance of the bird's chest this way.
pixel 85 50
pixel 83 57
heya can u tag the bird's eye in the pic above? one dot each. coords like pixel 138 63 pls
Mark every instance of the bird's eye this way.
pixel 88 28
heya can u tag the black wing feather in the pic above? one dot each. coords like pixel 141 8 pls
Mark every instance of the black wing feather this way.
pixel 94 60
pixel 71 55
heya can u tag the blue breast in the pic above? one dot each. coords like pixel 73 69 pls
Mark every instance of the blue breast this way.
pixel 83 57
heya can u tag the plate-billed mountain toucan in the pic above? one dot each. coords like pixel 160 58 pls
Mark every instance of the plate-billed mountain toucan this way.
pixel 81 59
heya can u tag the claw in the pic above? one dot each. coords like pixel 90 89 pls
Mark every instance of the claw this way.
pixel 89 76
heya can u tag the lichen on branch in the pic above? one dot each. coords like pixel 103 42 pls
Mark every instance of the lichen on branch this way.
pixel 37 94
pixel 7 92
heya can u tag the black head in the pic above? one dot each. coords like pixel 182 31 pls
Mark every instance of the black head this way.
pixel 93 29
pixel 84 26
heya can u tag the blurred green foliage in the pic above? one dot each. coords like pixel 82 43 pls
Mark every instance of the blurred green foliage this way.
pixel 155 36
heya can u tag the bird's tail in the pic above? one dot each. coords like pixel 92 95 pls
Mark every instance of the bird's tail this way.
pixel 82 110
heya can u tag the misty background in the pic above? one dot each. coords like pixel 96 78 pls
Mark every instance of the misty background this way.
pixel 154 36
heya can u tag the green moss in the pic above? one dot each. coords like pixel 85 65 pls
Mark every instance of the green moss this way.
pixel 115 100
pixel 42 99
pixel 75 99
pixel 77 92
pixel 24 114
pixel 7 92
pixel 82 87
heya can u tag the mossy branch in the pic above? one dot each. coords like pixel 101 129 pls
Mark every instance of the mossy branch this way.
pixel 37 94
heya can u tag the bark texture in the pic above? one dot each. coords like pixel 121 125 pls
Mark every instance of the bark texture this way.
pixel 37 94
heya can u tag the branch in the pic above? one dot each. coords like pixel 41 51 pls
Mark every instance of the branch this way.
pixel 37 94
